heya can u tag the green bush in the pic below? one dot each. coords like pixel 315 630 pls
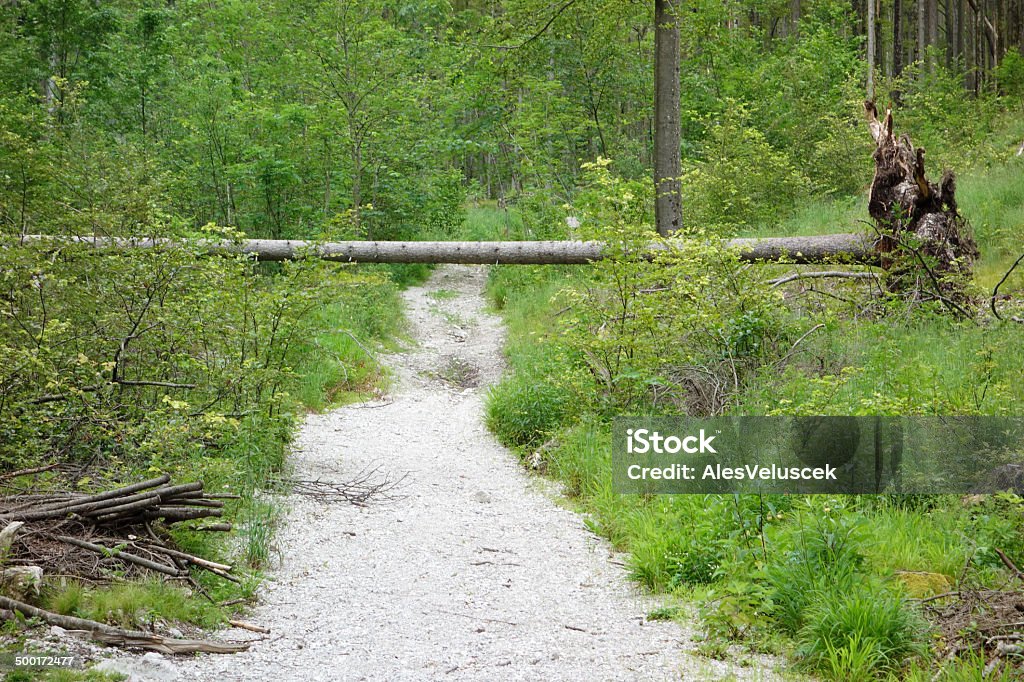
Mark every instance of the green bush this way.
pixel 522 411
pixel 742 181
pixel 1010 74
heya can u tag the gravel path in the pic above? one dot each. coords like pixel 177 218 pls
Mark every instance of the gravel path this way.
pixel 475 573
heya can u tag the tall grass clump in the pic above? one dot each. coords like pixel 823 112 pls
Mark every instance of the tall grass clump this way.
pixel 861 633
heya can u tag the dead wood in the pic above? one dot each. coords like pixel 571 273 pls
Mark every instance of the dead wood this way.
pixel 249 626
pixel 26 472
pixel 107 634
pixel 853 248
pixel 369 485
pixel 215 528
pixel 838 274
pixel 91 535
pixel 120 554
pixel 925 244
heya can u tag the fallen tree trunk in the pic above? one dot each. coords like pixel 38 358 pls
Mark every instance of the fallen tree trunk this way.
pixel 851 248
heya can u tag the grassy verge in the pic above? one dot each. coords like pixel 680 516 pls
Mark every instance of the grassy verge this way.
pixel 828 581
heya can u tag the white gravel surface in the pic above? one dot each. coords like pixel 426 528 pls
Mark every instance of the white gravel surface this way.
pixel 475 573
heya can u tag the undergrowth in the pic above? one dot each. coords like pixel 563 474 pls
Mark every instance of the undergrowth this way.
pixel 828 580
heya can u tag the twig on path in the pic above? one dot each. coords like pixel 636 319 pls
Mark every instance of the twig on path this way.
pixel 249 626
pixel 486 620
pixel 369 485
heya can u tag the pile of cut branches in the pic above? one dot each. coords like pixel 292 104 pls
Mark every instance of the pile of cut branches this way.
pixel 120 532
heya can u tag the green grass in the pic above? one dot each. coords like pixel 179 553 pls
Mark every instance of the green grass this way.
pixel 61 675
pixel 861 633
pixel 993 201
pixel 443 294
pixel 488 223
pixel 135 605
pixel 925 367
pixel 340 364
pixel 821 216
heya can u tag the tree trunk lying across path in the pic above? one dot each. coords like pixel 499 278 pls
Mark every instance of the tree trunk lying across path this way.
pixel 852 248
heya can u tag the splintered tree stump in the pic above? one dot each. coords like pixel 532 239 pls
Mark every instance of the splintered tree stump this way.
pixel 926 246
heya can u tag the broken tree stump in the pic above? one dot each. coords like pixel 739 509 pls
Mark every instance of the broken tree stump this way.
pixel 926 245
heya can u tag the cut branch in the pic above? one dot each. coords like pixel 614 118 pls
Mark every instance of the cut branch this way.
pixel 125 556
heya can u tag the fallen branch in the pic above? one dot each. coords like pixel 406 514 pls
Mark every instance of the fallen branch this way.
pixel 249 626
pixel 792 349
pixel 365 487
pixel 819 275
pixel 995 292
pixel 107 634
pixel 214 528
pixel 26 472
pixel 1008 563
pixel 116 553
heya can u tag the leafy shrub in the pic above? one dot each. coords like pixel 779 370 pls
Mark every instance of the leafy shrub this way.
pixel 153 365
pixel 694 562
pixel 445 206
pixel 742 181
pixel 648 332
pixel 521 411
pixel 1010 74
pixel 541 216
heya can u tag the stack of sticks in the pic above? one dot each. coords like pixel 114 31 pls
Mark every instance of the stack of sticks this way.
pixel 115 528
pixel 147 500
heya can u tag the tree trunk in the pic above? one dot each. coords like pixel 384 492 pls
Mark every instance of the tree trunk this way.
pixel 922 32
pixel 958 35
pixel 668 208
pixel 950 32
pixel 897 38
pixel 871 49
pixel 846 247
pixel 925 244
